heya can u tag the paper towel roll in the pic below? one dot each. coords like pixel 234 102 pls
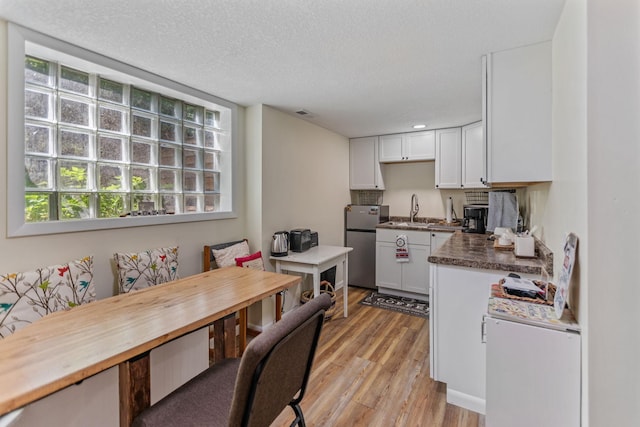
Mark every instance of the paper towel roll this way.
pixel 449 209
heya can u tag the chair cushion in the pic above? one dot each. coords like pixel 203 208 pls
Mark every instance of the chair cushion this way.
pixel 227 256
pixel 140 270
pixel 26 297
pixel 251 261
pixel 203 401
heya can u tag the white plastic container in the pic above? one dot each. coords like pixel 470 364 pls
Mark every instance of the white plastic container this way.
pixel 525 246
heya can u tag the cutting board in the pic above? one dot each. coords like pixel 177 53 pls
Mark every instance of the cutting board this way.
pixel 497 246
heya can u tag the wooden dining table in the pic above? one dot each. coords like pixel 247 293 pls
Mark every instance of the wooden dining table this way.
pixel 66 347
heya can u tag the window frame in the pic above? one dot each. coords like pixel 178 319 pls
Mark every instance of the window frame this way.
pixel 22 41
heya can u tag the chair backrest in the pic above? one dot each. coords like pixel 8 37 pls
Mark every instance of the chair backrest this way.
pixel 139 270
pixel 209 260
pixel 28 296
pixel 276 365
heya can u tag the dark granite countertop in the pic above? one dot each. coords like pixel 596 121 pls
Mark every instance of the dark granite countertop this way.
pixel 476 251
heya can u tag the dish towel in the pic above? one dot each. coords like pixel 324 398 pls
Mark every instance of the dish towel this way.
pixel 503 210
pixel 402 248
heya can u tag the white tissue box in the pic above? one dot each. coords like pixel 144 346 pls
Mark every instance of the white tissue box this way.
pixel 525 246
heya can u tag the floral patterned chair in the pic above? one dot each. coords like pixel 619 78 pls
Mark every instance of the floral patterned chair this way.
pixel 140 270
pixel 28 296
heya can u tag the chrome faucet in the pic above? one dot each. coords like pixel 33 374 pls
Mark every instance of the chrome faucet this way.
pixel 415 208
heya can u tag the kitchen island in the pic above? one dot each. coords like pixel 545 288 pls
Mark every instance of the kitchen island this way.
pixel 461 272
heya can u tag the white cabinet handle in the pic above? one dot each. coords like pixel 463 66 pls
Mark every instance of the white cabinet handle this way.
pixel 483 329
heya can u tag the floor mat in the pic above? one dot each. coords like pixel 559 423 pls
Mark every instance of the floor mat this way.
pixel 404 305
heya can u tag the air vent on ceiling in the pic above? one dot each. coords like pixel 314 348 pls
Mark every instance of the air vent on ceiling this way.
pixel 303 113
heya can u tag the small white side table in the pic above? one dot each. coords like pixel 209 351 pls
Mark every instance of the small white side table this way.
pixel 316 260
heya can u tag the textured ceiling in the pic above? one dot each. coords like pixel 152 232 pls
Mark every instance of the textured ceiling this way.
pixel 360 67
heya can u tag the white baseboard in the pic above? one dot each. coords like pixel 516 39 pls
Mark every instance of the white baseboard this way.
pixel 466 401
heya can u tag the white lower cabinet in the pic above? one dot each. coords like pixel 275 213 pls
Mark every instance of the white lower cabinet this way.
pixel 533 376
pixel 405 278
pixel 458 298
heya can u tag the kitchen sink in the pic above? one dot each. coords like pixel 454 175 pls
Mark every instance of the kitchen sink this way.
pixel 423 225
pixel 410 224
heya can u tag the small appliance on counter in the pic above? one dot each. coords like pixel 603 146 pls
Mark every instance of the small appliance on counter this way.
pixel 280 244
pixel 475 218
pixel 300 239
pixel 314 239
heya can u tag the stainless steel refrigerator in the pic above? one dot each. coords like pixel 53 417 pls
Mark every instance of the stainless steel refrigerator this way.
pixel 360 234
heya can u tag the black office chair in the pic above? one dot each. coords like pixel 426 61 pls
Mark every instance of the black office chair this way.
pixel 252 391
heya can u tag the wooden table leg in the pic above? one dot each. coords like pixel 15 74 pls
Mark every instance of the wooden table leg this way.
pixel 278 306
pixel 224 338
pixel 135 388
pixel 243 331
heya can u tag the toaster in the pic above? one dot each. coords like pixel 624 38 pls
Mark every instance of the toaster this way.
pixel 300 240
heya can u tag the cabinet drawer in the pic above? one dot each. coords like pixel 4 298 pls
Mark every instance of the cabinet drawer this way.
pixel 414 237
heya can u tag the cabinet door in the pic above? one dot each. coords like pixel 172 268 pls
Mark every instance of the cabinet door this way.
pixel 458 302
pixel 474 156
pixel 419 145
pixel 388 270
pixel 518 114
pixel 391 148
pixel 415 273
pixel 544 363
pixel 462 301
pixel 364 168
pixel 448 163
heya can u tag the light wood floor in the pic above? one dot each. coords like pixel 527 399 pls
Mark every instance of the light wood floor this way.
pixel 372 369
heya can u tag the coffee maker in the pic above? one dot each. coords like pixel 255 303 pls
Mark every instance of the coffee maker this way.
pixel 475 218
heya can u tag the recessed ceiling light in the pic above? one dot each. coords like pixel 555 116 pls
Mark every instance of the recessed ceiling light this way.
pixel 419 126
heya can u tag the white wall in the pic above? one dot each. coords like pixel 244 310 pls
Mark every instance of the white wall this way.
pixel 401 180
pixel 561 206
pixel 27 253
pixel 596 177
pixel 253 160
pixel 613 113
pixel 304 183
pixel 305 177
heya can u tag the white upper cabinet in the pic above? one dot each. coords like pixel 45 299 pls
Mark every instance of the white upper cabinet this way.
pixel 517 114
pixel 407 147
pixel 474 156
pixel 390 148
pixel 364 169
pixel 461 157
pixel 448 153
pixel 420 145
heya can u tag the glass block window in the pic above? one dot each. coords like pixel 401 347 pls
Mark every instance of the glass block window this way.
pixel 99 147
